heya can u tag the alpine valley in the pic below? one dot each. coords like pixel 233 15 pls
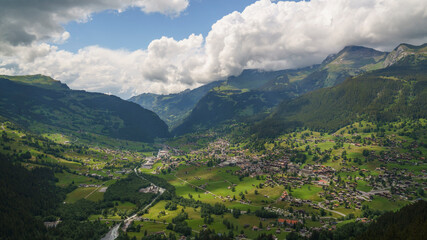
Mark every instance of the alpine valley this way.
pixel 335 150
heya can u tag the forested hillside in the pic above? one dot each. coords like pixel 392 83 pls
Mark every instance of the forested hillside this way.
pixel 409 223
pixel 388 94
pixel 23 196
pixel 42 104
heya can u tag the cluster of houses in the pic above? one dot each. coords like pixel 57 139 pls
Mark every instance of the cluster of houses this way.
pixel 149 162
pixel 278 168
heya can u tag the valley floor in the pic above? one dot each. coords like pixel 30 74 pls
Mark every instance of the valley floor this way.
pixel 300 182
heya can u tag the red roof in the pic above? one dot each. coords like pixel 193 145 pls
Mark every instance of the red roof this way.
pixel 289 221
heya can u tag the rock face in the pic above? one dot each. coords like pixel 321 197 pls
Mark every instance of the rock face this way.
pixel 404 50
pixel 397 54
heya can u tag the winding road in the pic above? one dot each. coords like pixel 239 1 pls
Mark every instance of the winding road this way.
pixel 333 211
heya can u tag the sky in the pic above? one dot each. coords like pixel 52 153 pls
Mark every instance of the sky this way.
pixel 134 29
pixel 129 47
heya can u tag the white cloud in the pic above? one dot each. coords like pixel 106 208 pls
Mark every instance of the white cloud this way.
pixel 24 22
pixel 267 35
pixel 293 34
pixel 103 70
pixel 170 7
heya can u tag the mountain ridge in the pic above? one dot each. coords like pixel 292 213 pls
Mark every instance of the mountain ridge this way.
pixel 40 106
pixel 264 90
pixel 398 91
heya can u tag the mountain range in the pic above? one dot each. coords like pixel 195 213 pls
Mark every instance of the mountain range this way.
pixel 356 82
pixel 254 94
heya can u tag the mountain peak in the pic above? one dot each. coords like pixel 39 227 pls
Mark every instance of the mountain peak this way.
pixel 407 46
pixel 404 50
pixel 353 54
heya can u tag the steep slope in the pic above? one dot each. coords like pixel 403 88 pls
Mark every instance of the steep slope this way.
pixel 25 195
pixel 398 91
pixel 43 105
pixel 255 91
pixel 173 108
pixel 225 106
pixel 406 51
pixel 351 61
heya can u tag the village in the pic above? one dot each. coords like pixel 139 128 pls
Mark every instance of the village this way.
pixel 345 184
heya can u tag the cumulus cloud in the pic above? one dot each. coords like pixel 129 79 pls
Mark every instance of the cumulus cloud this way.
pixel 292 34
pixel 24 22
pixel 119 72
pixel 266 35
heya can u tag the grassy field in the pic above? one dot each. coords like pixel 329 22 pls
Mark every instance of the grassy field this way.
pixel 220 182
pixel 307 192
pixel 384 204
pixel 150 228
pixel 363 186
pixel 66 179
pixel 96 196
pixel 125 206
pixel 78 194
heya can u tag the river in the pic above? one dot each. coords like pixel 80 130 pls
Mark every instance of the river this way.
pixel 113 233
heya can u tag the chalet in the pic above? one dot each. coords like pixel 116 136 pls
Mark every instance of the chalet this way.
pixel 291 222
pixel 51 224
pixel 284 195
pixel 322 182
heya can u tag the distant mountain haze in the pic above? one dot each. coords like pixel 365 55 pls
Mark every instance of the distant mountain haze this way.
pixel 173 108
